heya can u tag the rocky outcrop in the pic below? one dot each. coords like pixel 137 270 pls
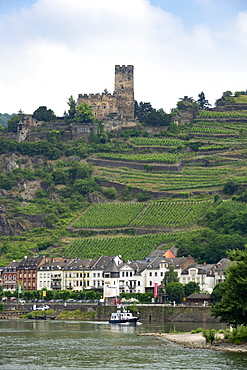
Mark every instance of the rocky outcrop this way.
pixel 10 228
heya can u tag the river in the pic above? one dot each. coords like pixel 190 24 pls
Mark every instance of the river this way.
pixel 51 345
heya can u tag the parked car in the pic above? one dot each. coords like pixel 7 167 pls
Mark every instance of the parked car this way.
pixel 52 301
pixel 43 308
pixel 13 299
pixel 21 300
pixel 71 301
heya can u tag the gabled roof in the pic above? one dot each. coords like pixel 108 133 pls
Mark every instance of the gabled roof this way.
pixel 111 267
pixel 31 262
pixel 223 264
pixel 199 296
pixel 203 269
pixel 13 264
pixel 78 264
pixel 168 254
pixel 102 262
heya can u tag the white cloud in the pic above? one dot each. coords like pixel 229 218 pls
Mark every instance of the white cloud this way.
pixel 241 26
pixel 57 48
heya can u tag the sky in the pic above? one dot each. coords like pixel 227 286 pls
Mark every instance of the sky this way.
pixel 52 49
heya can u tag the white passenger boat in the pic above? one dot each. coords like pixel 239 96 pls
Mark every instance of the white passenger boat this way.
pixel 123 316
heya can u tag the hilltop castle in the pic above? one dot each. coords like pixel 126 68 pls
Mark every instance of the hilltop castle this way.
pixel 115 110
pixel 118 105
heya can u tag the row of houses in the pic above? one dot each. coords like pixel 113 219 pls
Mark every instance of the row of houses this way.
pixel 108 275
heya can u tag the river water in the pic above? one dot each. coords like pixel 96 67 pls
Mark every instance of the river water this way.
pixel 51 345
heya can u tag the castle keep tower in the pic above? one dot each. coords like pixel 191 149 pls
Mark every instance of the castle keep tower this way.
pixel 124 90
pixel 119 104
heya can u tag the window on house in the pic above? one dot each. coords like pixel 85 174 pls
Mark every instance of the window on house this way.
pixel 155 274
pixel 150 274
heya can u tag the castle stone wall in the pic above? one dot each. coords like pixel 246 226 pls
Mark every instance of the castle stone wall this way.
pixel 120 104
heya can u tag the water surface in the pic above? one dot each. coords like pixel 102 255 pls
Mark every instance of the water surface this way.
pixel 51 345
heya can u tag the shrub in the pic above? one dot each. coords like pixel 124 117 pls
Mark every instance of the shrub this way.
pixel 238 335
pixel 209 335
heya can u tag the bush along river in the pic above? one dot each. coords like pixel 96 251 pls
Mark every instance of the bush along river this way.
pixel 29 344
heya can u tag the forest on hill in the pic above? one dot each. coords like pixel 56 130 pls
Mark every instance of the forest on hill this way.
pixel 175 179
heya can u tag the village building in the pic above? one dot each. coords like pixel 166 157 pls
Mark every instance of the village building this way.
pixel 157 268
pixel 78 274
pixel 50 274
pixel 27 272
pixel 9 276
pixel 220 270
pixel 111 279
pixel 131 279
pixel 203 274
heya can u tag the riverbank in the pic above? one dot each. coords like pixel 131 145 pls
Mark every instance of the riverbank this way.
pixel 198 341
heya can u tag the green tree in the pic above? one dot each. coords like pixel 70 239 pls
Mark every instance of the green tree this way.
pixel 202 101
pixel 171 276
pixel 175 292
pixel 232 308
pixel 72 108
pixel 142 110
pixel 157 118
pixel 231 186
pixel 190 288
pixel 84 113
pixel 216 294
pixel 44 114
pixel 12 123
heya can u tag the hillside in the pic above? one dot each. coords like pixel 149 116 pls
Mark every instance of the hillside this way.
pixel 130 193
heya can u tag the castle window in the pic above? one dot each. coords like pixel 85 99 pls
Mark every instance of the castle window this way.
pixel 103 106
pixel 94 106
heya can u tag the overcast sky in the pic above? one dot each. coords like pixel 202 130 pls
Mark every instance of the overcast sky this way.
pixel 51 49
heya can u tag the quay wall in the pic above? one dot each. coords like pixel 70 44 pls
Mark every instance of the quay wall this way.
pixel 148 312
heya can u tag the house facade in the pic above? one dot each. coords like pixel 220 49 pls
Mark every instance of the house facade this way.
pixel 9 276
pixel 109 275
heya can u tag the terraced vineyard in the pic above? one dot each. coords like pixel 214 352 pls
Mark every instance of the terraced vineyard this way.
pixel 108 215
pixel 156 214
pixel 130 247
pixel 146 141
pixel 214 114
pixel 212 130
pixel 145 158
pixel 190 178
pixel 171 214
